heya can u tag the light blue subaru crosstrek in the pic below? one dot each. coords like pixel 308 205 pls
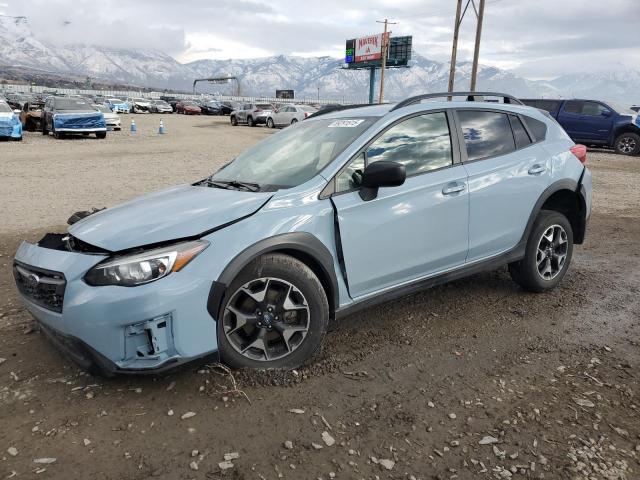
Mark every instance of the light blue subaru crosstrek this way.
pixel 349 208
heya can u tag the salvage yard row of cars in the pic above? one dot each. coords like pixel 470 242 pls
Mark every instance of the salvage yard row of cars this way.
pixel 590 122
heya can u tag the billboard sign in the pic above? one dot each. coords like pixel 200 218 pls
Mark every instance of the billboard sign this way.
pixel 366 52
pixel 368 48
pixel 284 94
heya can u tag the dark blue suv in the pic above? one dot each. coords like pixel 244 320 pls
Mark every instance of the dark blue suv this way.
pixel 593 122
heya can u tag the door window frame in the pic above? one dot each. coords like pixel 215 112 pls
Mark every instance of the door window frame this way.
pixel 463 146
pixel 456 150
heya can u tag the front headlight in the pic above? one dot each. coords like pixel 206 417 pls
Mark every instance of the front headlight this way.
pixel 144 267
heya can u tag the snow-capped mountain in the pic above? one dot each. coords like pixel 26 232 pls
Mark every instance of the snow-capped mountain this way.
pixel 309 77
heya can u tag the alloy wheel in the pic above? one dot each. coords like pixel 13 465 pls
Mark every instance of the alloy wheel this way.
pixel 627 144
pixel 552 252
pixel 266 319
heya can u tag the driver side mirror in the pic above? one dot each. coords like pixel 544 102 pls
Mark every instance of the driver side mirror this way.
pixel 381 174
pixel 606 113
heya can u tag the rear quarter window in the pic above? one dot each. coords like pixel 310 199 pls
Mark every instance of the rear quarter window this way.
pixel 537 128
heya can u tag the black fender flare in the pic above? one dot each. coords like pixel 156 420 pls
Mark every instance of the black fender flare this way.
pixel 301 243
pixel 564 184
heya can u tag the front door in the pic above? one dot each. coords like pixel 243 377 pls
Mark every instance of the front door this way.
pixel 408 232
pixel 585 120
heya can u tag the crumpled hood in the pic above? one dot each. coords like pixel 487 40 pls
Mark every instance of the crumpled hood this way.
pixel 175 213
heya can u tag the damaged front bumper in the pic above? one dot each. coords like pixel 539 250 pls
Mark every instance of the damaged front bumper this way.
pixel 113 329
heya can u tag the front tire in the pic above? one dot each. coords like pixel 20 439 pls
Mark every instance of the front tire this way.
pixel 101 135
pixel 627 144
pixel 250 122
pixel 548 253
pixel 234 121
pixel 275 315
pixel 270 123
pixel 294 121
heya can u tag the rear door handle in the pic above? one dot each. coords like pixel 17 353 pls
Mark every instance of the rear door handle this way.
pixel 537 169
pixel 453 187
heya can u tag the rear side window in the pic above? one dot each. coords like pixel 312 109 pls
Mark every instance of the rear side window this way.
pixel 486 134
pixel 551 106
pixel 520 134
pixel 573 106
pixel 537 128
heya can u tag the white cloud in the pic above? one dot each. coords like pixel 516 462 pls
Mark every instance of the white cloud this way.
pixel 536 38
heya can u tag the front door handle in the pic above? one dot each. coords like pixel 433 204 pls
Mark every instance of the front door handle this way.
pixel 537 169
pixel 453 187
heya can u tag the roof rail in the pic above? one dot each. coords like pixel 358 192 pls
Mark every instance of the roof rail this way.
pixel 471 97
pixel 336 108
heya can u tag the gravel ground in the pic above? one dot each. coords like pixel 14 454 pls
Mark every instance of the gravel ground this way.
pixel 474 379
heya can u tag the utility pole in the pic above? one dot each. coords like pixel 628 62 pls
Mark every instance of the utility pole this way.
pixel 476 51
pixel 385 46
pixel 454 50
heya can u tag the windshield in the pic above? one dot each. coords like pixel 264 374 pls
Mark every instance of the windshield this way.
pixel 162 103
pixel 189 104
pixel 115 100
pixel 102 108
pixel 139 99
pixel 72 104
pixel 264 106
pixel 307 108
pixel 4 107
pixel 296 154
pixel 620 108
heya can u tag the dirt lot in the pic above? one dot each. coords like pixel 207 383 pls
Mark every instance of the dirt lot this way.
pixel 475 379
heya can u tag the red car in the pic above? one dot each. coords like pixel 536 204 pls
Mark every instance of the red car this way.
pixel 188 108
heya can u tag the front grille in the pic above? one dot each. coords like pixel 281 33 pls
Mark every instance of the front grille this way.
pixel 42 287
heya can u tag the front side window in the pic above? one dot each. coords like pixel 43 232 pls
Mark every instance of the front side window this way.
pixel 593 109
pixel 486 134
pixel 573 106
pixel 421 143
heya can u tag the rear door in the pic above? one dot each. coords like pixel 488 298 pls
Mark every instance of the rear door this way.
pixel 507 174
pixel 415 230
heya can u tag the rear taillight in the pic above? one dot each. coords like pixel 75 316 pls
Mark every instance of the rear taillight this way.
pixel 580 151
pixel 306 114
pixel 258 110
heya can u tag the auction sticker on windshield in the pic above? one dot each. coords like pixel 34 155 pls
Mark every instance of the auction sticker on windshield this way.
pixel 345 123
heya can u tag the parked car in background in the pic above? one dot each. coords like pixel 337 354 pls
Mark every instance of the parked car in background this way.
pixel 332 215
pixel 10 126
pixel 226 107
pixel 64 116
pixel 288 115
pixel 17 100
pixel 251 114
pixel 592 122
pixel 188 107
pixel 160 106
pixel 139 105
pixel 117 105
pixel 211 107
pixel 31 115
pixel 111 119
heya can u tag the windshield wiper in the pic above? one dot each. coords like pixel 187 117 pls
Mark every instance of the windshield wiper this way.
pixel 230 184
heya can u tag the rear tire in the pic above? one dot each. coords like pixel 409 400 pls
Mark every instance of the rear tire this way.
pixel 101 135
pixel 627 144
pixel 548 253
pixel 250 122
pixel 234 121
pixel 270 123
pixel 275 315
pixel 294 121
